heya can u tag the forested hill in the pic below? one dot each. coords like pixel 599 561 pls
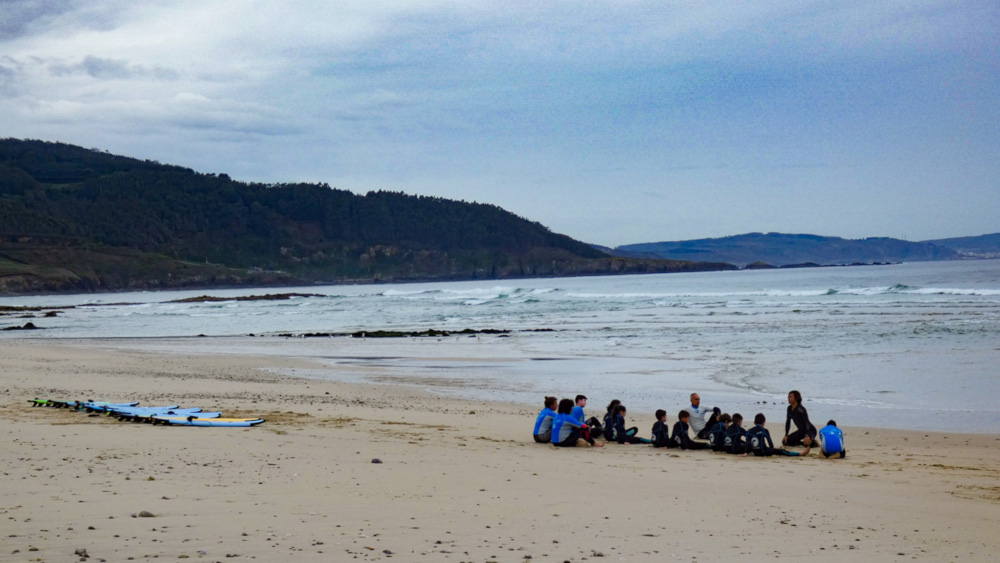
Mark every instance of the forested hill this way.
pixel 779 249
pixel 75 219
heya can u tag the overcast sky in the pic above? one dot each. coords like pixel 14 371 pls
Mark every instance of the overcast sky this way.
pixel 613 122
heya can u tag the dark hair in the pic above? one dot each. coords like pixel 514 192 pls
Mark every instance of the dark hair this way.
pixel 614 403
pixel 832 423
pixel 759 419
pixel 725 418
pixel 550 401
pixel 620 408
pixel 683 414
pixel 565 406
pixel 797 395
pixel 578 397
pixel 660 414
pixel 737 418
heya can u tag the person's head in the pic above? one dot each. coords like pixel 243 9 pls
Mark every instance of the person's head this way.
pixel 738 419
pixel 614 403
pixel 683 416
pixel 695 400
pixel 759 420
pixel 581 401
pixel 550 402
pixel 831 423
pixel 794 397
pixel 661 414
pixel 725 418
pixel 565 406
pixel 620 409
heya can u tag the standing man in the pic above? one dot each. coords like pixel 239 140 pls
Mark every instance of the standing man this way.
pixel 699 425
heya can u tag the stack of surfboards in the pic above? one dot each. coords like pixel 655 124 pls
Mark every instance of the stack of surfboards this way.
pixel 167 414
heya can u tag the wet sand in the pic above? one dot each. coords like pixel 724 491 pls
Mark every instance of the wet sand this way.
pixel 459 480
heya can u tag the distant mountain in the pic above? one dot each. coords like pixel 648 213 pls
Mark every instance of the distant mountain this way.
pixel 76 219
pixel 983 246
pixel 777 249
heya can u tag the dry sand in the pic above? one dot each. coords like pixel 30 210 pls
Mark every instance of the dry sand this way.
pixel 459 480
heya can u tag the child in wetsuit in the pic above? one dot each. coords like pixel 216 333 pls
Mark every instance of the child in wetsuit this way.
pixel 831 441
pixel 620 434
pixel 759 441
pixel 716 436
pixel 733 441
pixel 680 436
pixel 543 424
pixel 661 431
pixel 609 420
pixel 566 430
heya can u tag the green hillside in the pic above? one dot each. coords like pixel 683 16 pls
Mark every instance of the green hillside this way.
pixel 80 219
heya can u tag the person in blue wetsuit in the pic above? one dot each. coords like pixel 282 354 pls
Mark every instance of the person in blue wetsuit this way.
pixel 831 441
pixel 543 424
pixel 759 441
pixel 805 432
pixel 581 401
pixel 680 436
pixel 566 430
pixel 620 433
pixel 734 439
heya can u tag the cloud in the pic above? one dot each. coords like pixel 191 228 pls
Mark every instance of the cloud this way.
pixel 112 69
pixel 474 99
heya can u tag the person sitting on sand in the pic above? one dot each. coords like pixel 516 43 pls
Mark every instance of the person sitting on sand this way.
pixel 717 435
pixel 805 433
pixel 680 436
pixel 759 441
pixel 566 431
pixel 734 440
pixel 699 425
pixel 831 441
pixel 543 424
pixel 609 421
pixel 620 433
pixel 581 401
pixel 661 431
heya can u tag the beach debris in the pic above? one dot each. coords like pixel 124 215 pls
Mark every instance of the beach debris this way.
pixel 376 460
pixel 82 553
pixel 144 514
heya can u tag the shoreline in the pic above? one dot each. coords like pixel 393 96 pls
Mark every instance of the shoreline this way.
pixel 508 370
pixel 459 480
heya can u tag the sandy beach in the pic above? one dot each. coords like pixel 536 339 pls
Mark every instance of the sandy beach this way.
pixel 458 480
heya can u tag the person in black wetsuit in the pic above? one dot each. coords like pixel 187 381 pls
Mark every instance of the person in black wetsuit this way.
pixel 661 431
pixel 733 441
pixel 620 433
pixel 716 436
pixel 759 441
pixel 609 421
pixel 805 432
pixel 680 436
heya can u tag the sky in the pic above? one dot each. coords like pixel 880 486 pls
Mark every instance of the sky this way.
pixel 613 122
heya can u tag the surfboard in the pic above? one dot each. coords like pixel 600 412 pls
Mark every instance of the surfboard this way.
pixel 148 417
pixel 220 422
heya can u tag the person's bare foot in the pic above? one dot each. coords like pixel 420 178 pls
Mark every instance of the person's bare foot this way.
pixel 805 452
pixel 597 445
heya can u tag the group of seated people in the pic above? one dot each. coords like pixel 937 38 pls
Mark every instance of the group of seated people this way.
pixel 563 424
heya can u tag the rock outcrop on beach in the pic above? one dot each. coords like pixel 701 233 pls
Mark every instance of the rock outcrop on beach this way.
pixel 80 220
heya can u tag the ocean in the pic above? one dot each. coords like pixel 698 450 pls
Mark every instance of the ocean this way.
pixel 911 346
